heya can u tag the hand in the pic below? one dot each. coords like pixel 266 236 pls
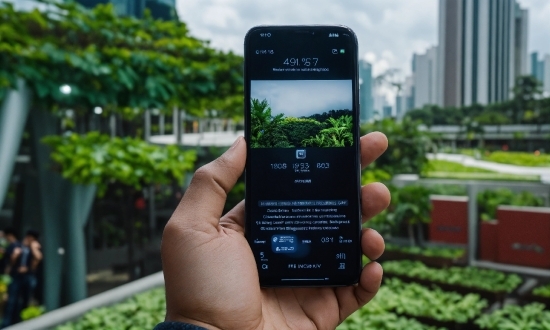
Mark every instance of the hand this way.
pixel 210 272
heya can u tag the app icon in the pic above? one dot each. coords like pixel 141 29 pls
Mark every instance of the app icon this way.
pixel 300 154
pixel 335 51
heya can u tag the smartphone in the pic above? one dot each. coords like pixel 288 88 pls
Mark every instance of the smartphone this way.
pixel 303 212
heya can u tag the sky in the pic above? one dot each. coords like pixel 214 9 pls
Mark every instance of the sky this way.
pixel 389 31
pixel 303 98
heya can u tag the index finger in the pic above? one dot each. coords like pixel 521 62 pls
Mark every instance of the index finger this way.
pixel 373 146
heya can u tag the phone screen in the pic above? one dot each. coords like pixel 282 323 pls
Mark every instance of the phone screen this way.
pixel 303 219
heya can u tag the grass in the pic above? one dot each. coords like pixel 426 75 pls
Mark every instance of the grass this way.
pixel 511 157
pixel 442 169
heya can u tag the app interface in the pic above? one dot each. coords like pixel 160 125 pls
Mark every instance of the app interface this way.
pixel 303 212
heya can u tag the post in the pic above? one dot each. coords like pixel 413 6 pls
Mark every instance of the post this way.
pixel 14 111
pixel 177 126
pixel 147 133
pixel 472 223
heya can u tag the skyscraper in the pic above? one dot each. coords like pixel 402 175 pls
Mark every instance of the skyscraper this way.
pixel 482 49
pixel 365 92
pixel 162 9
pixel 425 81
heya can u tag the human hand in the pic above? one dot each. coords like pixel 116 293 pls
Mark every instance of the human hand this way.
pixel 210 273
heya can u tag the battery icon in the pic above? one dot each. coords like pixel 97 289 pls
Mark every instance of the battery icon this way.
pixel 342 51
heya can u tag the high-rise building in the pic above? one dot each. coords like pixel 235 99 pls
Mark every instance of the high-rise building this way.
pixel 404 101
pixel 540 69
pixel 425 78
pixel 365 92
pixel 546 75
pixel 482 49
pixel 162 9
pixel 537 67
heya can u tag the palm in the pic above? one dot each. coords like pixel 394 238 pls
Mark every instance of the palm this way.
pixel 210 272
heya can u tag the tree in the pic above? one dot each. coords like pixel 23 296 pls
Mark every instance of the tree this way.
pixel 266 130
pixel 407 147
pixel 527 90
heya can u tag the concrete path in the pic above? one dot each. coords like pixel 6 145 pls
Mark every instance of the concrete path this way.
pixel 543 172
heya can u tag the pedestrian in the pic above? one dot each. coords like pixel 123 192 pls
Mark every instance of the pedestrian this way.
pixel 8 261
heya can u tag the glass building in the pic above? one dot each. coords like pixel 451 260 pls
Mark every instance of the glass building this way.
pixel 161 9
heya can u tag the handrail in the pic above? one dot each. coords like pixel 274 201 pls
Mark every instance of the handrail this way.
pixel 74 311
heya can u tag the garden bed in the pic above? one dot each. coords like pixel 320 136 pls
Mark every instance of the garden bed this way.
pixel 434 257
pixel 491 285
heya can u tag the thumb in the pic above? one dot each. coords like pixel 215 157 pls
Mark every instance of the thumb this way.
pixel 203 202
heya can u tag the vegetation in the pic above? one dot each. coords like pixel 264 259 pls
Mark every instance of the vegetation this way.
pixel 489 200
pixel 413 299
pixel 142 311
pixel 450 253
pixel 532 317
pixel 526 107
pixel 542 291
pixel 437 168
pixel 122 64
pixel 268 131
pixel 97 159
pixel 471 277
pixel 518 158
pixel 407 148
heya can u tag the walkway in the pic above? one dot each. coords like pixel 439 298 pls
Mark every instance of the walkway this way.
pixel 543 172
pixel 206 139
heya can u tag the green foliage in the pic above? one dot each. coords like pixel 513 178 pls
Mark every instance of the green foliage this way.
pixel 489 200
pixel 411 204
pixel 337 134
pixel 97 159
pixel 142 311
pixel 542 291
pixel 437 168
pixel 471 277
pixel 526 107
pixel 118 63
pixel 268 131
pixel 299 129
pixel 407 146
pixel 450 253
pixel 532 317
pixel 413 299
pixel 518 158
pixel 31 312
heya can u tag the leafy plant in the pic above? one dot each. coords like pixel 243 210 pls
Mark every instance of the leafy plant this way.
pixel 97 159
pixel 489 200
pixel 542 291
pixel 122 64
pixel 266 130
pixel 413 299
pixel 450 253
pixel 32 312
pixel 142 311
pixel 471 277
pixel 338 134
pixel 410 205
pixel 532 317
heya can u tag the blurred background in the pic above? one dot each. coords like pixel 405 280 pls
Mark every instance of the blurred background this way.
pixel 108 107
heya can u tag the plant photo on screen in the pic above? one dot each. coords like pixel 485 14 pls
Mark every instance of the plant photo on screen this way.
pixel 301 113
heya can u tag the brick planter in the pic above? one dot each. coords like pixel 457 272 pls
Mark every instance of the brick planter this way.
pixel 449 219
pixel 488 240
pixel 524 236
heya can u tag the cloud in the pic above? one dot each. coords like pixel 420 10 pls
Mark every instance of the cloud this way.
pixel 303 98
pixel 400 27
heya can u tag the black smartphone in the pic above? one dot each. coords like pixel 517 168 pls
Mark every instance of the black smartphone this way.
pixel 303 212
